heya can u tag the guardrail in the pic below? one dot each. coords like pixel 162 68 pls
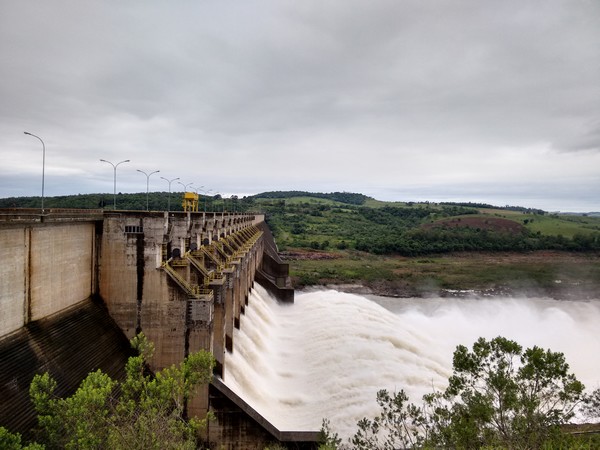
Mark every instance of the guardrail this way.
pixel 49 214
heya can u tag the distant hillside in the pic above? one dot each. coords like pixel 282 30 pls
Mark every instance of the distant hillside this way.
pixel 506 208
pixel 299 221
pixel 342 197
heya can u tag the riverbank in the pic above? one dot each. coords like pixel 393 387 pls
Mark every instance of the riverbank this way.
pixel 559 275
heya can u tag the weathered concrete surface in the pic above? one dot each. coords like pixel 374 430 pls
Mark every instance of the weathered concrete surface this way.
pixel 154 271
pixel 61 267
pixel 68 345
pixel 46 268
pixel 274 274
pixel 14 254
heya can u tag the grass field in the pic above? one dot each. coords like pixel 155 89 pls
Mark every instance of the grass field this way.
pixel 568 226
pixel 556 274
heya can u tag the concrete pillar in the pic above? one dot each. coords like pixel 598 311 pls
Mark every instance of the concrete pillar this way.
pixel 236 293
pixel 218 337
pixel 229 273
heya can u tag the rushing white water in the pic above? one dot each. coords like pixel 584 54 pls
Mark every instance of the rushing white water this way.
pixel 328 354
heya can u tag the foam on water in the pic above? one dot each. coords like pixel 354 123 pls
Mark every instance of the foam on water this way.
pixel 328 354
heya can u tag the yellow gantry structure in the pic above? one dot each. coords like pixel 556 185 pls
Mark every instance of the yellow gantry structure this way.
pixel 190 201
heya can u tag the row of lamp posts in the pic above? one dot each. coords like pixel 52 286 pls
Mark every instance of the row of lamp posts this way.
pixel 185 186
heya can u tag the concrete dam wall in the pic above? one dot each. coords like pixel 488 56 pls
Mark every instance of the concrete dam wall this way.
pixel 45 270
pixel 79 284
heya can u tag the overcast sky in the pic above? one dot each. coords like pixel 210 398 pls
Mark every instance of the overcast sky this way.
pixel 460 100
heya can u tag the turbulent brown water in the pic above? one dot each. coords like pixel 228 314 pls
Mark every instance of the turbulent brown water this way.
pixel 328 354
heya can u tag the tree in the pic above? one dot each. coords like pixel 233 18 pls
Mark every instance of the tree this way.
pixel 328 440
pixel 148 413
pixel 592 405
pixel 399 425
pixel 500 395
pixel 12 441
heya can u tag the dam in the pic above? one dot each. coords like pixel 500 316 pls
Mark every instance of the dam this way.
pixel 78 284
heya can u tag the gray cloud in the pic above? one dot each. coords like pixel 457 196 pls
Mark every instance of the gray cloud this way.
pixel 261 95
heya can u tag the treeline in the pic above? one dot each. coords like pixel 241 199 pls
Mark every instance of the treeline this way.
pixel 157 201
pixel 342 197
pixel 506 208
pixel 443 240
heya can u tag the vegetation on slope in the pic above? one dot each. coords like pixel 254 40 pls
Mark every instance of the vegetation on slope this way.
pixel 419 229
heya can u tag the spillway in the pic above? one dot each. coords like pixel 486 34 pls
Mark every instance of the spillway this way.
pixel 326 355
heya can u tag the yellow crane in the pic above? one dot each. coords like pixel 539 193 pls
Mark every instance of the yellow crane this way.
pixel 190 201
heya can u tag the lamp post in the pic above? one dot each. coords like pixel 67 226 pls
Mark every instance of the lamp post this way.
pixel 147 183
pixel 115 179
pixel 169 198
pixel 185 186
pixel 206 197
pixel 43 163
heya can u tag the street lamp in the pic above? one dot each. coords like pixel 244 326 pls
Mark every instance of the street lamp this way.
pixel 206 197
pixel 43 164
pixel 185 186
pixel 115 179
pixel 147 183
pixel 169 200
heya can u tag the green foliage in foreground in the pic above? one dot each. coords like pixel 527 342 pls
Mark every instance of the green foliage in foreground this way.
pixel 499 396
pixel 12 441
pixel 147 413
